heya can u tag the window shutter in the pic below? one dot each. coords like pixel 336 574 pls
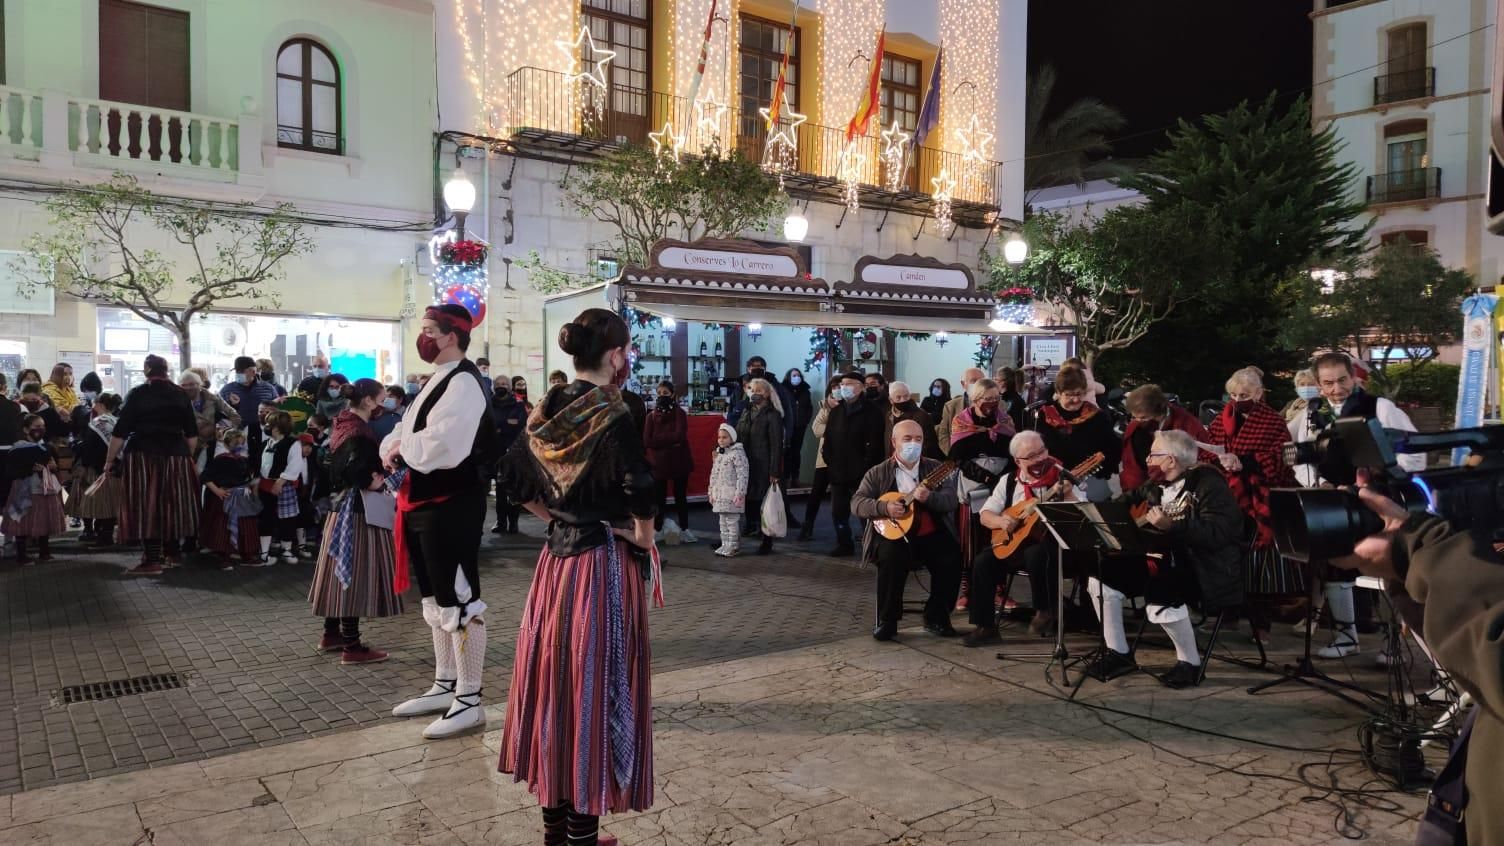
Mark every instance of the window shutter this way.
pixel 143 55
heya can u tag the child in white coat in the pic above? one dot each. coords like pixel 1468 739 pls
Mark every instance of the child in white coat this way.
pixel 728 489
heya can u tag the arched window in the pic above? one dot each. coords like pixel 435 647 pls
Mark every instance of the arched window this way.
pixel 308 98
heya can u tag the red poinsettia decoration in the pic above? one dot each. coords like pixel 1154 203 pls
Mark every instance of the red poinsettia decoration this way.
pixel 462 253
pixel 1016 296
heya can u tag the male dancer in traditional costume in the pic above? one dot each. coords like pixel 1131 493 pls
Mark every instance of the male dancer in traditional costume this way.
pixel 444 443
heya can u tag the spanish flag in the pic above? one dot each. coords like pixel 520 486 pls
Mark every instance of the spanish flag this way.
pixel 783 72
pixel 870 105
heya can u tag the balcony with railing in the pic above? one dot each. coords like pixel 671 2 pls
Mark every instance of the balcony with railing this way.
pixel 546 108
pixel 1403 85
pixel 1405 186
pixel 60 130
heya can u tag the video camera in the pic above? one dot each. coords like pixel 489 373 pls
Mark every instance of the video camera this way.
pixel 1318 524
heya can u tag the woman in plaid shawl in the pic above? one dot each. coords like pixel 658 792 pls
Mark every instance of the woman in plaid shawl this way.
pixel 356 561
pixel 1254 435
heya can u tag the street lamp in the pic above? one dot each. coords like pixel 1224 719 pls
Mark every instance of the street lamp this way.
pixel 795 226
pixel 942 338
pixel 1016 249
pixel 459 196
pixel 755 330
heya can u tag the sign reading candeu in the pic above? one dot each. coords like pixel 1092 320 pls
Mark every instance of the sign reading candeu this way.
pixel 915 277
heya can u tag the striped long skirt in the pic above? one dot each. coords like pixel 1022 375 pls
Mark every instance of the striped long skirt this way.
pixel 161 498
pixel 43 519
pixel 560 736
pixel 1265 571
pixel 103 504
pixel 370 593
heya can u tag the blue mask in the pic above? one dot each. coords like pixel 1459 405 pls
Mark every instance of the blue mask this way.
pixel 847 392
pixel 412 387
pixel 316 372
pixel 796 379
pixel 390 403
pixel 909 452
pixel 936 393
pixel 243 378
pixel 1307 392
pixel 333 393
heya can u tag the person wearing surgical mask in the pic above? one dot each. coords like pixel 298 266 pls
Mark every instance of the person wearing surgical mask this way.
pixel 1306 392
pixel 333 395
pixel 853 445
pixel 799 410
pixel 393 404
pixel 931 540
pixel 934 400
pixel 318 368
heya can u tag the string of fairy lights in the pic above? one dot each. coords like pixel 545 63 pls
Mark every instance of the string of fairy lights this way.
pixel 499 38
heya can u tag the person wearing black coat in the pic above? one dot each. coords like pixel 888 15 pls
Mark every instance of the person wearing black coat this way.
pixel 1074 429
pixel 934 402
pixel 510 416
pixel 798 411
pixel 760 431
pixel 11 415
pixel 665 436
pixel 853 445
pixel 1196 511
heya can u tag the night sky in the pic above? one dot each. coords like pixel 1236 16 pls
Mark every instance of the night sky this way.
pixel 1159 60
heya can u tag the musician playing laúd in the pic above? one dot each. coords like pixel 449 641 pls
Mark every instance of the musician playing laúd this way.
pixel 930 542
pixel 1037 476
pixel 1203 527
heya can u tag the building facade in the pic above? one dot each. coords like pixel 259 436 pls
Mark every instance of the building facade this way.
pixel 505 80
pixel 328 106
pixel 1408 87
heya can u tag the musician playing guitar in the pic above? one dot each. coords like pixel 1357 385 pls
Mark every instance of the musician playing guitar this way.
pixel 1202 526
pixel 930 542
pixel 1037 475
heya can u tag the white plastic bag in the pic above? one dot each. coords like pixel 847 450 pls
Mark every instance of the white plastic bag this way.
pixel 774 518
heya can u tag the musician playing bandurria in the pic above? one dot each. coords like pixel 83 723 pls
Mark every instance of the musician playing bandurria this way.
pixel 931 542
pixel 1037 473
pixel 1202 525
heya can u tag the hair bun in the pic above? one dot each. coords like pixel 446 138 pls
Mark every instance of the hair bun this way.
pixel 575 339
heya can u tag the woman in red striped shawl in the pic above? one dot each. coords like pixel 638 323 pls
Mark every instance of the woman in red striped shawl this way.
pixel 1254 435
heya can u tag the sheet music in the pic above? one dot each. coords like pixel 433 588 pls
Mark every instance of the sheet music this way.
pixel 1212 448
pixel 1098 522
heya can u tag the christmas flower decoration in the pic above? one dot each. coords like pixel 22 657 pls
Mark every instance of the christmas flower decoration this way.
pixel 1016 296
pixel 462 253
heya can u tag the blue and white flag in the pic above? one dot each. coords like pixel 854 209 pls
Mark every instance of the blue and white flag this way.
pixel 1477 364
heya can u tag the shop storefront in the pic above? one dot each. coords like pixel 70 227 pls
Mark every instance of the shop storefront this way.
pixel 357 348
pixel 699 310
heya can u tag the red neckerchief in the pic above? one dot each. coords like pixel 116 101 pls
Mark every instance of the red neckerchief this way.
pixel 1055 420
pixel 1043 481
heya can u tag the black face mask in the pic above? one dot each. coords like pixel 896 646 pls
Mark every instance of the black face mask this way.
pixel 665 403
pixel 873 393
pixel 756 373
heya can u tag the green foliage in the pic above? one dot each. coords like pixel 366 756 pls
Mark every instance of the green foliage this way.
pixel 546 279
pixel 1059 146
pixel 1118 276
pixel 233 253
pixel 646 198
pixel 1276 197
pixel 1401 299
pixel 1417 383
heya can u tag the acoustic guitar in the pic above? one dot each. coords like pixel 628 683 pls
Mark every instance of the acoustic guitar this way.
pixel 1004 542
pixel 895 528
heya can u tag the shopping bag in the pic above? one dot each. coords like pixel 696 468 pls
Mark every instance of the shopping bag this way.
pixel 774 518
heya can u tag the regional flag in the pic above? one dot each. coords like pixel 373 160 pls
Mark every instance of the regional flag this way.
pixel 783 71
pixel 929 113
pixel 871 103
pixel 694 84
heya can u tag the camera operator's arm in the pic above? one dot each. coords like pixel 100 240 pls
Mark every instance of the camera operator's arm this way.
pixel 1460 582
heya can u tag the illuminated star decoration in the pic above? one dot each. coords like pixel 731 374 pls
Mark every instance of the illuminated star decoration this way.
pixel 895 153
pixel 666 145
pixel 975 142
pixel 596 76
pixel 779 151
pixel 850 169
pixel 943 186
pixel 708 116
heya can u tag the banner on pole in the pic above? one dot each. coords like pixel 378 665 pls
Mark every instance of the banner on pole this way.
pixel 1478 344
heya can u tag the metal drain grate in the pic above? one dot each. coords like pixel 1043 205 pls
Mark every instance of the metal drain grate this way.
pixel 117 688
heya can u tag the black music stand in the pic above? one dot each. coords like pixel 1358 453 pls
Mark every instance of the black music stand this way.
pixel 1100 527
pixel 1303 670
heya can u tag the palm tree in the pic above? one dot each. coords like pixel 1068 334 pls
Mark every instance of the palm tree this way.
pixel 1060 147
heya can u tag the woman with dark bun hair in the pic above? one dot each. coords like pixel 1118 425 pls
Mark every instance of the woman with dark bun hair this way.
pixel 579 718
pixel 161 487
pixel 356 564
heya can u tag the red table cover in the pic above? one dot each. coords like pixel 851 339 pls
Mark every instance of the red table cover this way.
pixel 702 431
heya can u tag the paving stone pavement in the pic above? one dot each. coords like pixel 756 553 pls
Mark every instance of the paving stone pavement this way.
pixel 778 721
pixel 844 743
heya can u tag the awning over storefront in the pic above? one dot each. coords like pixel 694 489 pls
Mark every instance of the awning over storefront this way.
pixel 741 282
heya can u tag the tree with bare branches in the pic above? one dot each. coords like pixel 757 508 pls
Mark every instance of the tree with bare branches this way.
pixel 92 250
